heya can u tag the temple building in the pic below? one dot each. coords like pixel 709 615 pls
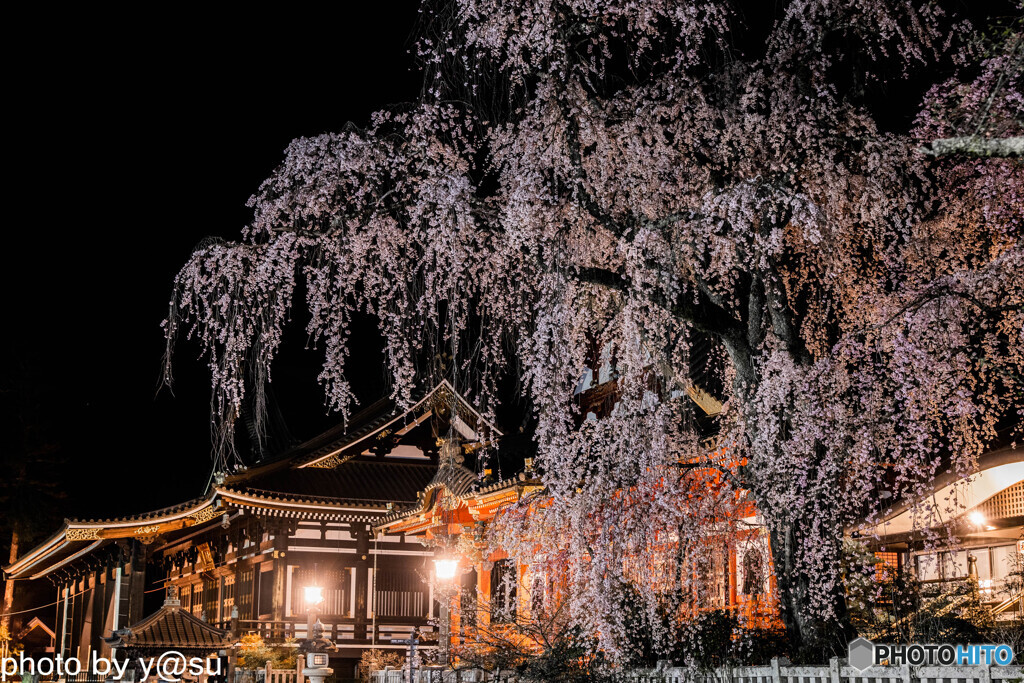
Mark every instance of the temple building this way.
pixel 362 518
pixel 985 512
pixel 376 528
pixel 243 555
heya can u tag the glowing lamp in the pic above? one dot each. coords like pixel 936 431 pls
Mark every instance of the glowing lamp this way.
pixel 314 595
pixel 977 519
pixel 445 568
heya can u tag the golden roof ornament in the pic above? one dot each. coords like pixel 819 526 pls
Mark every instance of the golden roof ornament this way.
pixel 451 453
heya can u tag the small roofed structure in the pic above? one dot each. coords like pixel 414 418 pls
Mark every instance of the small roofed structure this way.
pixel 171 628
pixel 36 638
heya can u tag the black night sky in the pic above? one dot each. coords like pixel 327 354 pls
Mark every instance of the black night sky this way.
pixel 129 144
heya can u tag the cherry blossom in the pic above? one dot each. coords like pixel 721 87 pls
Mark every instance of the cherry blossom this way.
pixel 658 175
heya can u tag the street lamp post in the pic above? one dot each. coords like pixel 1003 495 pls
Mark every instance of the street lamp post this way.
pixel 316 645
pixel 445 569
pixel 314 595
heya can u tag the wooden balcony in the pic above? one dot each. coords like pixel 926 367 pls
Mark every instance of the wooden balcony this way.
pixel 345 632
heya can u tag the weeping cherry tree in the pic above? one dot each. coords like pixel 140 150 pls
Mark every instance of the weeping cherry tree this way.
pixel 655 175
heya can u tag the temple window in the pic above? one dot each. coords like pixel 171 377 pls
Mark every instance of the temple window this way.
pixel 753 572
pixel 336 585
pixel 399 594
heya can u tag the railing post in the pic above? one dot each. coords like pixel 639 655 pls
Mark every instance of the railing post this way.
pixel 776 673
pixel 268 676
pixel 905 672
pixel 834 675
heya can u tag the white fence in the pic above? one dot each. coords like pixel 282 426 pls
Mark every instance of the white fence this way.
pixel 268 674
pixel 835 672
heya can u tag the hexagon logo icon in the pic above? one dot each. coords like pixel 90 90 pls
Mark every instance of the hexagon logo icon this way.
pixel 862 653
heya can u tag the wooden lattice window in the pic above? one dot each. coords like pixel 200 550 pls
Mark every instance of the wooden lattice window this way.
pixel 1005 504
pixel 399 593
pixel 227 597
pixel 336 584
pixel 243 594
pixel 886 565
pixel 211 600
pixel 197 600
pixel 712 577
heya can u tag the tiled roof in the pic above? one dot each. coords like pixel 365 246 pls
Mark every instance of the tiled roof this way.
pixel 456 479
pixel 358 480
pixel 171 627
pixel 146 516
pixel 369 420
pixel 361 424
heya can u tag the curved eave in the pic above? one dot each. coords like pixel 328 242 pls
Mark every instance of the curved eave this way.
pixel 997 471
pixel 296 505
pixel 17 569
pixel 82 537
pixel 482 503
pixel 68 560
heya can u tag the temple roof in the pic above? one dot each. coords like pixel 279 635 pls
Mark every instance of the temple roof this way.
pixel 171 627
pixel 357 481
pixel 381 459
pixel 385 456
pixel 77 538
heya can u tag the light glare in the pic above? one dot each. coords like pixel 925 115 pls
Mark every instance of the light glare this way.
pixel 446 568
pixel 314 595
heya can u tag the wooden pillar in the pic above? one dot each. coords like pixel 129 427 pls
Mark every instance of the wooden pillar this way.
pixel 99 609
pixel 280 577
pixel 136 583
pixel 63 620
pixel 78 613
pixel 733 588
pixel 362 564
pixel 236 633
pixel 238 592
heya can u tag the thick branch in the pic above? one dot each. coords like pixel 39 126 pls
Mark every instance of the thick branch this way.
pixel 587 200
pixel 704 314
pixel 975 146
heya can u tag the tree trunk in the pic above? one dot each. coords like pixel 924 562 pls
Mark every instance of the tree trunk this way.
pixel 5 620
pixel 813 637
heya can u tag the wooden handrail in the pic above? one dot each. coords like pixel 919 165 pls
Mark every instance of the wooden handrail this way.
pixel 1006 604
